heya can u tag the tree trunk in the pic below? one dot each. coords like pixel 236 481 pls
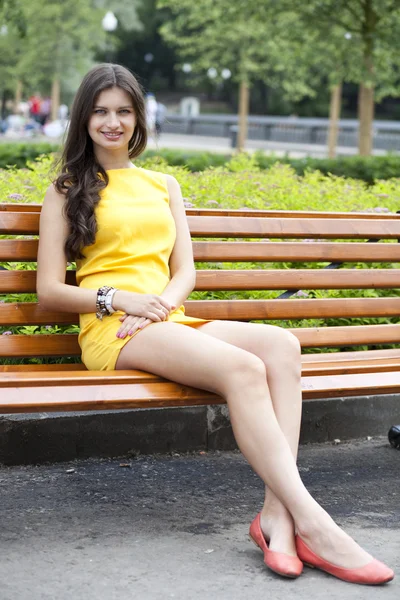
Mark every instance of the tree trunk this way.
pixel 365 117
pixel 243 115
pixel 18 95
pixel 55 98
pixel 334 115
pixel 3 104
pixel 370 20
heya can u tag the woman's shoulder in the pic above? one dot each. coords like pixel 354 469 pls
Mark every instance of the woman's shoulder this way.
pixel 159 176
pixel 53 205
pixel 53 194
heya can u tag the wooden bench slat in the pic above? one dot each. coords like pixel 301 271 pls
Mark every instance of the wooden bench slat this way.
pixel 62 367
pixel 35 208
pixel 348 368
pixel 18 250
pixel 294 214
pixel 230 212
pixel 150 394
pixel 21 223
pixel 237 227
pixel 294 279
pixel 352 356
pixel 301 251
pixel 79 376
pixel 246 310
pixel 354 335
pixel 24 282
pixel 27 223
pixel 333 386
pixel 334 363
pixel 242 310
pixel 250 279
pixel 100 397
pixel 19 346
pixel 76 377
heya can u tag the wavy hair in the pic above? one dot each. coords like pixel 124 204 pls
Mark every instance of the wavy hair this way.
pixel 81 178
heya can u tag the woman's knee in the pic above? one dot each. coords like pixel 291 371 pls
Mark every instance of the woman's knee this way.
pixel 245 371
pixel 287 351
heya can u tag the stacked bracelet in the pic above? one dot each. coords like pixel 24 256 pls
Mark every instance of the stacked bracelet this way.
pixel 109 299
pixel 104 307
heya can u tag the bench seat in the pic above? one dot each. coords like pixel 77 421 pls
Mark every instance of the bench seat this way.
pixel 99 390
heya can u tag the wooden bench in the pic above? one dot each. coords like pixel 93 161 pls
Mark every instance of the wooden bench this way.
pixel 322 241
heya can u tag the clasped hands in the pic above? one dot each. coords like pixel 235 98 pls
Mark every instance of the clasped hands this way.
pixel 140 310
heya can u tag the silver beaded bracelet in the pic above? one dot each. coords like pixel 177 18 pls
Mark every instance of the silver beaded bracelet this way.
pixel 101 309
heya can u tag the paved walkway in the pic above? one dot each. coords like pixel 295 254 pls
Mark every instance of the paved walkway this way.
pixel 154 528
pixel 223 145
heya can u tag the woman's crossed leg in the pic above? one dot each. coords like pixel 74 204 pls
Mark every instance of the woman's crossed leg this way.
pixel 232 360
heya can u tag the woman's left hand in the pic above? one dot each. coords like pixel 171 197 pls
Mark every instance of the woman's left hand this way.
pixel 131 324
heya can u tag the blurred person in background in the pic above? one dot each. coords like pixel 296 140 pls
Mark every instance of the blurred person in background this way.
pixel 63 113
pixel 44 110
pixel 34 106
pixel 151 113
pixel 160 117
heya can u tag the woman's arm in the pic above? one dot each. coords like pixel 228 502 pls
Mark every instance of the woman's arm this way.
pixel 53 292
pixel 183 273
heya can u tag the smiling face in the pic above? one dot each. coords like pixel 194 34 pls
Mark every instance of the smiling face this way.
pixel 112 121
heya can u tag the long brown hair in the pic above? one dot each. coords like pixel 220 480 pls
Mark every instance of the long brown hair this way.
pixel 81 177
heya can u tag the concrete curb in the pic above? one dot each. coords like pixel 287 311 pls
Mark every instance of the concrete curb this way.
pixel 53 437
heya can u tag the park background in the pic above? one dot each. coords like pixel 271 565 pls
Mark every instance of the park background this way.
pixel 277 58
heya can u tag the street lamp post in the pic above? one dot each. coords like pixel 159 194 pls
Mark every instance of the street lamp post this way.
pixel 109 24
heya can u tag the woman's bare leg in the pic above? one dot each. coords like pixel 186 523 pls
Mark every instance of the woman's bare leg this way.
pixel 193 358
pixel 280 352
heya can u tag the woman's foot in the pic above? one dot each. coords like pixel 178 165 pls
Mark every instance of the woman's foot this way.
pixel 279 562
pixel 278 529
pixel 330 542
pixel 373 573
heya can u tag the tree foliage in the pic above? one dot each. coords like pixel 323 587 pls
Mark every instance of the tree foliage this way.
pixel 363 33
pixel 254 43
pixel 56 39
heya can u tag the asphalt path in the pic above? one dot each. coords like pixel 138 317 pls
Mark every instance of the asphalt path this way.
pixel 158 527
pixel 223 145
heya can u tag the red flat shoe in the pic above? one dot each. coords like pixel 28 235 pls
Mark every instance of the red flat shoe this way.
pixel 283 564
pixel 373 573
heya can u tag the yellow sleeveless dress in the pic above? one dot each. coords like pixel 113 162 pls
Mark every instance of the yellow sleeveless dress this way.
pixel 135 237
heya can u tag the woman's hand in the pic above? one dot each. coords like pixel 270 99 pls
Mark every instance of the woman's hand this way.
pixel 149 306
pixel 132 324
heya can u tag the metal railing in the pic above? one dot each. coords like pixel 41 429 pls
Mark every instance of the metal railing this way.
pixel 301 130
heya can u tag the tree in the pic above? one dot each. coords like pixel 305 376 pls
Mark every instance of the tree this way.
pixel 372 28
pixel 252 41
pixel 58 40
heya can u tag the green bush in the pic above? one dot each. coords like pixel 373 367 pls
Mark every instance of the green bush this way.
pixel 17 154
pixel 241 183
pixel 366 168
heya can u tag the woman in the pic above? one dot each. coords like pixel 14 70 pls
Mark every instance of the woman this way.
pixel 127 230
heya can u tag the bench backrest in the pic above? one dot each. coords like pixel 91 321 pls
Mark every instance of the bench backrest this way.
pixel 274 240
